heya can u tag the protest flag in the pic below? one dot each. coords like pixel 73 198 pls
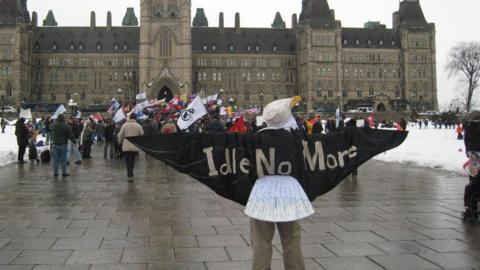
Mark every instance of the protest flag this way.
pixel 192 113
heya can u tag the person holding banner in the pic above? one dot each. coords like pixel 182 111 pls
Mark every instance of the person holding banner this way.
pixel 130 129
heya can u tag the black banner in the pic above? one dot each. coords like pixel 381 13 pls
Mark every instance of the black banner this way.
pixel 231 163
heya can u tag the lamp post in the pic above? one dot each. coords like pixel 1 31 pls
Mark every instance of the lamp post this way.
pixel 2 100
pixel 262 96
pixel 119 93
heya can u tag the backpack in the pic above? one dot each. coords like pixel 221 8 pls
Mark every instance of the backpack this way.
pixel 45 156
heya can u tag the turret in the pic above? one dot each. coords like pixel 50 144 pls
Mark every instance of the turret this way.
pixel 50 19
pixel 34 20
pixel 130 19
pixel 278 22
pixel 200 19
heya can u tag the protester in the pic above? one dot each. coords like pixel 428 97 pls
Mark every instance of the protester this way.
pixel 61 135
pixel 216 125
pixel 86 139
pixel 459 131
pixel 130 129
pixel 169 127
pixel 21 131
pixel 269 206
pixel 99 131
pixel 472 146
pixel 109 139
pixel 3 124
pixel 48 131
pixel 73 146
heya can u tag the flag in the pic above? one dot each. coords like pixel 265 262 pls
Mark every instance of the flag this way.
pixel 116 105
pixel 61 110
pixel 141 96
pixel 119 116
pixel 338 117
pixel 27 114
pixel 239 126
pixel 194 111
pixel 110 110
pixel 97 117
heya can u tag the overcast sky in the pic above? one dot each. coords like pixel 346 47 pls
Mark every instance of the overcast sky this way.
pixel 456 20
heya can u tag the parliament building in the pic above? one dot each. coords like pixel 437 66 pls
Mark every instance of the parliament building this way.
pixel 165 53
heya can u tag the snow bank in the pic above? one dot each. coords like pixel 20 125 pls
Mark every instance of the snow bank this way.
pixel 433 148
pixel 9 148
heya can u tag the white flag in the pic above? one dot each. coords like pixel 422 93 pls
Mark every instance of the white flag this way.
pixel 61 110
pixel 142 96
pixel 192 113
pixel 119 116
pixel 27 114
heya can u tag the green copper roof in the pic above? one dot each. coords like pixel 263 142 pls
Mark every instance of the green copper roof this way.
pixel 130 19
pixel 50 19
pixel 278 22
pixel 200 19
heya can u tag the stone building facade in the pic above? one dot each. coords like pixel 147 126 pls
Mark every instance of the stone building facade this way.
pixel 167 55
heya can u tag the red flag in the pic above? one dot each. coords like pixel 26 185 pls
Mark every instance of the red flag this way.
pixel 239 126
pixel 97 117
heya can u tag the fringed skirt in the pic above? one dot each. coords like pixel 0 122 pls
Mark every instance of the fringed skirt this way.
pixel 278 199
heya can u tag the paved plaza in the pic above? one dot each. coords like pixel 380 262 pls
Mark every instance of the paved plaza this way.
pixel 393 217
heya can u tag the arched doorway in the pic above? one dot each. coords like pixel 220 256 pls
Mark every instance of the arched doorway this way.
pixel 381 107
pixel 165 93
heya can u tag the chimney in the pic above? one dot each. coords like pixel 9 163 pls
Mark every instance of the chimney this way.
pixel 92 20
pixel 221 24
pixel 34 20
pixel 237 22
pixel 294 21
pixel 109 21
pixel 396 20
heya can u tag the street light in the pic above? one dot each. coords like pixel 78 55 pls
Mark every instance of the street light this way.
pixel 119 93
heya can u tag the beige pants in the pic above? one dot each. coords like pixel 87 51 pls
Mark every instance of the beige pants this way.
pixel 262 235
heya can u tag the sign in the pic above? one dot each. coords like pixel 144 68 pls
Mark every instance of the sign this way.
pixel 229 164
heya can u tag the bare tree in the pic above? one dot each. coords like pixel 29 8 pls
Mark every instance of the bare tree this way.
pixel 464 59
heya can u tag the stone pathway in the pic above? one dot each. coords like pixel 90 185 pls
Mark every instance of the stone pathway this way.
pixel 392 217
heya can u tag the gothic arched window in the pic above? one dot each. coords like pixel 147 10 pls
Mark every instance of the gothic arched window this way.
pixel 166 44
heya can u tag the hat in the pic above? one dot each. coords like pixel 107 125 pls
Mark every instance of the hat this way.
pixel 279 111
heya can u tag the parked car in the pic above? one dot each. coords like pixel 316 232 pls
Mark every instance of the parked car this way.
pixel 365 109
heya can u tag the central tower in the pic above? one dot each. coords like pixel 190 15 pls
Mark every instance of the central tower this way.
pixel 165 48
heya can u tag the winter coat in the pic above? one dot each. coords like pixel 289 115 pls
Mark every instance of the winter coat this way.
pixel 472 136
pixel 61 132
pixel 21 131
pixel 108 134
pixel 130 129
pixel 317 127
pixel 86 136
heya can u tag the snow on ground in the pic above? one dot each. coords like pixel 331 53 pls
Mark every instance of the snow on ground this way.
pixel 433 148
pixel 8 145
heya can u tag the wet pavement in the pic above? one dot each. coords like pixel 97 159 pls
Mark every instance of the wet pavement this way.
pixel 392 217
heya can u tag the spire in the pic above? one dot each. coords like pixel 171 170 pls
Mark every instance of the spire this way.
pixel 278 22
pixel 13 11
pixel 130 18
pixel 200 19
pixel 316 13
pixel 50 19
pixel 411 12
